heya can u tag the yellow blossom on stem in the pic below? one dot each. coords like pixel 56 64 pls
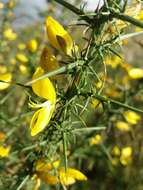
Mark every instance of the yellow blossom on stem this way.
pixel 122 126
pixel 7 77
pixel 21 57
pixel 48 61
pixel 4 151
pixel 70 176
pixel 45 89
pixel 135 73
pixel 126 155
pixel 32 45
pixel 21 46
pixel 58 36
pixel 116 151
pixel 95 140
pixel 9 34
pixel 132 117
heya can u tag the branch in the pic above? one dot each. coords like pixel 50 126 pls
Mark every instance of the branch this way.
pixel 58 71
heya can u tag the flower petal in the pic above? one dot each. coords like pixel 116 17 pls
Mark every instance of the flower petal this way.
pixel 7 77
pixel 41 119
pixel 43 88
pixel 57 34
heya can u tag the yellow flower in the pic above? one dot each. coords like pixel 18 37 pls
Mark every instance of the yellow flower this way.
pixel 21 46
pixel 44 89
pixel 116 151
pixel 9 34
pixel 95 140
pixel 41 118
pixel 135 73
pixel 115 161
pixel 126 155
pixel 11 4
pixel 70 176
pixel 43 166
pixel 23 69
pixel 21 57
pixel 96 103
pixel 48 61
pixel 3 69
pixel 132 117
pixel 4 151
pixel 58 36
pixel 32 45
pixel 65 177
pixel 7 77
pixel 1 5
pixel 113 61
pixel 12 61
pixel 122 126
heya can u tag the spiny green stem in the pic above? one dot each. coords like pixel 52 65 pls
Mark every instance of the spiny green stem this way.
pixel 58 71
pixel 106 99
pixel 111 101
pixel 65 150
pixel 88 129
pixel 127 18
pixel 74 10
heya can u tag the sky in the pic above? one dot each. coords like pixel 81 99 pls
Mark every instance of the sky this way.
pixel 27 10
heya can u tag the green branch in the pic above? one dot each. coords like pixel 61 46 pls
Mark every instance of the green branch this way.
pixel 61 70
pixel 127 18
pixel 124 105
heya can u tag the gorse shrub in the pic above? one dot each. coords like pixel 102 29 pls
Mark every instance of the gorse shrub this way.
pixel 71 101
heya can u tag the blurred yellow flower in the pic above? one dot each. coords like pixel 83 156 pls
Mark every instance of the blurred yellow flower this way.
pixel 115 161
pixel 11 4
pixel 48 61
pixel 126 155
pixel 7 77
pixel 23 69
pixel 3 69
pixel 21 46
pixel 97 139
pixel 122 126
pixel 70 176
pixel 9 34
pixel 58 36
pixel 113 61
pixel 135 73
pixel 21 57
pixel 132 117
pixel 45 89
pixel 12 61
pixel 32 45
pixel 41 165
pixel 1 5
pixel 96 103
pixel 116 151
pixel 4 151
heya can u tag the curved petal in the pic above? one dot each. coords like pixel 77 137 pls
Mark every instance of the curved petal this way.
pixel 43 88
pixel 7 77
pixel 48 61
pixel 41 119
pixel 55 32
